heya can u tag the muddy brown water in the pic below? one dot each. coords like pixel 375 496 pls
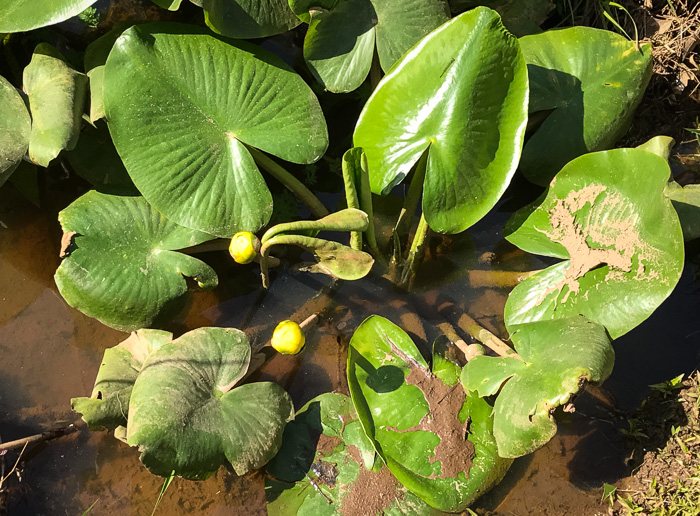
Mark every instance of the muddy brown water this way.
pixel 50 352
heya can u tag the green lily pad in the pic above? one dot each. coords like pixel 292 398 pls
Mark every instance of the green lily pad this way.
pixel 686 201
pixel 326 457
pixel 187 416
pixel 24 15
pixel 340 42
pixel 56 99
pixel 436 440
pixel 461 95
pixel 247 19
pixel 15 128
pixel 108 405
pixel 183 137
pixel 558 358
pixel 520 18
pixel 588 82
pixel 606 215
pixel 120 264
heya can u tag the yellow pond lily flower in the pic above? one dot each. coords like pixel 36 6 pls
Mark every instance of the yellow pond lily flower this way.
pixel 288 338
pixel 244 247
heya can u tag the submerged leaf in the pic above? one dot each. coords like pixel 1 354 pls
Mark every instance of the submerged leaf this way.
pixel 15 128
pixel 606 215
pixel 436 440
pixel 108 405
pixel 25 15
pixel 121 266
pixel 183 138
pixel 56 99
pixel 428 102
pixel 558 358
pixel 587 82
pixel 248 19
pixel 187 417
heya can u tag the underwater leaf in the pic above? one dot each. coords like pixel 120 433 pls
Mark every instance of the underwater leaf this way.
pixel 686 201
pixel 558 358
pixel 325 456
pixel 340 42
pixel 248 19
pixel 434 438
pixel 519 17
pixel 56 99
pixel 587 82
pixel 607 216
pixel 184 137
pixel 120 264
pixel 187 416
pixel 461 96
pixel 15 128
pixel 24 15
pixel 108 405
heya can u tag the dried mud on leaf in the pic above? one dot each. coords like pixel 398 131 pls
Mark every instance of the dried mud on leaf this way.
pixel 607 216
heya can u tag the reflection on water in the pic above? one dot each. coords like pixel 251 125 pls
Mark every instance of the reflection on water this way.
pixel 50 353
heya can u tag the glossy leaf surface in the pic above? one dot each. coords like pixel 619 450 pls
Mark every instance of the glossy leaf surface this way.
pixel 460 95
pixel 247 19
pixel 56 100
pixel 342 35
pixel 187 417
pixel 606 215
pixel 557 358
pixel 15 128
pixel 24 15
pixel 590 81
pixel 108 405
pixel 417 423
pixel 121 266
pixel 183 137
pixel 325 455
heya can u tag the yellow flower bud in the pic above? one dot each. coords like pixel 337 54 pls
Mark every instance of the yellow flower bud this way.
pixel 288 338
pixel 244 247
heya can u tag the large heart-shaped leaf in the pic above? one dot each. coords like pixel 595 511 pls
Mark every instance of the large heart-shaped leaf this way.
pixel 121 267
pixel 686 201
pixel 588 83
pixel 15 128
pixel 436 440
pixel 326 457
pixel 520 18
pixel 183 136
pixel 606 215
pixel 187 418
pixel 24 15
pixel 461 95
pixel 56 99
pixel 340 41
pixel 108 405
pixel 247 19
pixel 558 358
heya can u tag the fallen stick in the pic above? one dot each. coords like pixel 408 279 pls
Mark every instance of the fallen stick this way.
pixel 44 436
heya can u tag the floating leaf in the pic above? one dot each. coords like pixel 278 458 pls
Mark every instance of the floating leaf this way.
pixel 121 267
pixel 24 15
pixel 436 440
pixel 183 137
pixel 686 201
pixel 325 456
pixel 340 42
pixel 587 82
pixel 15 128
pixel 108 405
pixel 520 18
pixel 170 5
pixel 56 98
pixel 659 145
pixel 461 95
pixel 606 215
pixel 248 19
pixel 558 358
pixel 186 416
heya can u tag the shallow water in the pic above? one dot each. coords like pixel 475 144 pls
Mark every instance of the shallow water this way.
pixel 50 353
